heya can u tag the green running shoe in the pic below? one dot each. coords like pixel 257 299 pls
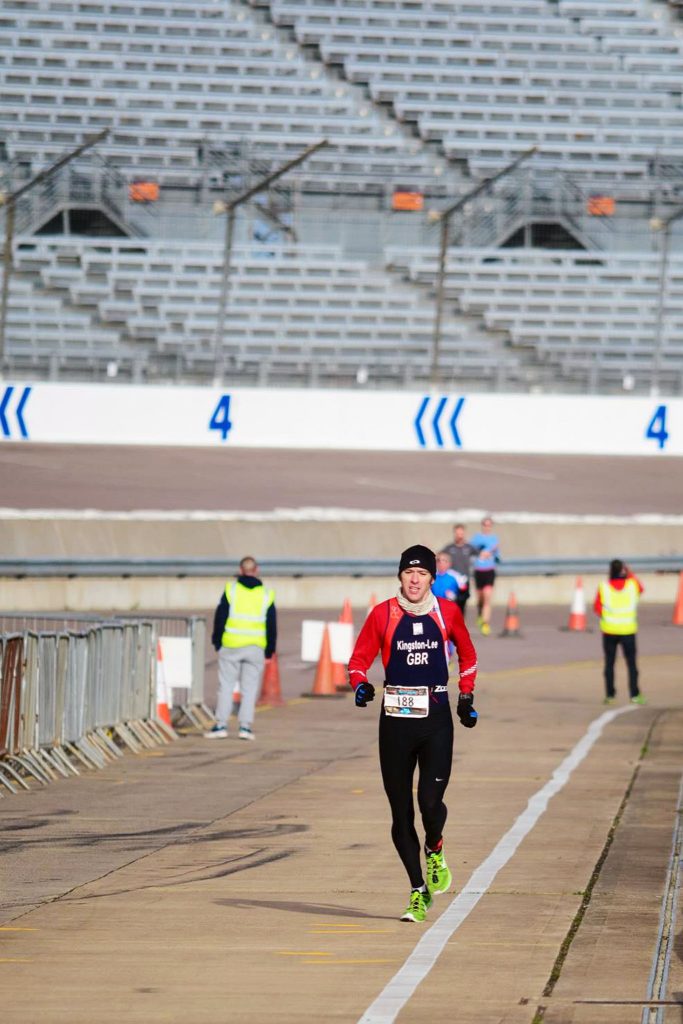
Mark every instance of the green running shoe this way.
pixel 416 910
pixel 439 877
pixel 638 700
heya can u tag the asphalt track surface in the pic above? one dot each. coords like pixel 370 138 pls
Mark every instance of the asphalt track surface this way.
pixel 128 478
pixel 212 882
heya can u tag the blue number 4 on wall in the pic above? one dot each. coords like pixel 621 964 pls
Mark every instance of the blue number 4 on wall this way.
pixel 220 419
pixel 656 428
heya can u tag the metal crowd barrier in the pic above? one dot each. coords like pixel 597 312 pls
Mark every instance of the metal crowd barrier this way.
pixel 77 694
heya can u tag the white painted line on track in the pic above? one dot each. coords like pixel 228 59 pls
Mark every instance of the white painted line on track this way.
pixel 402 986
pixel 485 467
pixel 315 514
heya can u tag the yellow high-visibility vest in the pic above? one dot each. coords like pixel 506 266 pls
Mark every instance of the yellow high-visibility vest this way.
pixel 619 608
pixel 246 623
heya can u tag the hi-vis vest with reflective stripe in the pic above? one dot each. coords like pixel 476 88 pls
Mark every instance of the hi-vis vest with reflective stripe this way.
pixel 246 624
pixel 619 609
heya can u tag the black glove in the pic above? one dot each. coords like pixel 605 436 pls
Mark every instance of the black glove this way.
pixel 365 692
pixel 465 711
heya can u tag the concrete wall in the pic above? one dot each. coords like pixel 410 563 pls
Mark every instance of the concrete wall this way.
pixel 162 594
pixel 334 536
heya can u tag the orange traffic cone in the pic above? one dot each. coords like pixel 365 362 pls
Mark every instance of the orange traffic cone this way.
pixel 339 676
pixel 323 684
pixel 338 668
pixel 271 692
pixel 677 619
pixel 511 625
pixel 346 613
pixel 163 710
pixel 577 613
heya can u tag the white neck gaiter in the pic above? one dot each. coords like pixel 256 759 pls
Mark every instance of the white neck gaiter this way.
pixel 423 608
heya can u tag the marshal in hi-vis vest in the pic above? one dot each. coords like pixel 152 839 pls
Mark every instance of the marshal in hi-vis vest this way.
pixel 246 624
pixel 619 609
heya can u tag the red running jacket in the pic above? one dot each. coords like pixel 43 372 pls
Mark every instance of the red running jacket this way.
pixel 380 626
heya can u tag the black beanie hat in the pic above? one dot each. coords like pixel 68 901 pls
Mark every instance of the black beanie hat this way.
pixel 418 557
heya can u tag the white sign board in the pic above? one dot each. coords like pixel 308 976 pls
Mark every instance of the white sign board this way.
pixel 341 640
pixel 357 420
pixel 176 662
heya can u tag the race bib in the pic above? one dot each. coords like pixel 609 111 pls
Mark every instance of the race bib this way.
pixel 406 701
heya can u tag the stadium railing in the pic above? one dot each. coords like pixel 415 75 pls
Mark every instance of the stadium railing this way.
pixel 302 567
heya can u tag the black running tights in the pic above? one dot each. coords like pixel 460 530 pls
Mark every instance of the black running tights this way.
pixel 405 743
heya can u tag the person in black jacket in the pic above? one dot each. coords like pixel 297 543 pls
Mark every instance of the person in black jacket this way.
pixel 245 636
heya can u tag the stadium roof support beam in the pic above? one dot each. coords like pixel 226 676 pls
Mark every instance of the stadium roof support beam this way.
pixel 10 202
pixel 229 210
pixel 444 218
pixel 662 224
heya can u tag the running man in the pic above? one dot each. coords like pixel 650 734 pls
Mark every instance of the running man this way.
pixel 446 582
pixel 461 553
pixel 412 631
pixel 486 544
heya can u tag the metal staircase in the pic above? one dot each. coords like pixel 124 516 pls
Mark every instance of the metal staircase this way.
pixel 90 187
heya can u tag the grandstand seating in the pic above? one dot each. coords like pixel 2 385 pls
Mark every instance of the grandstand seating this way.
pixel 483 80
pixel 293 313
pixel 420 95
pixel 590 311
pixel 596 85
pixel 308 314
pixel 157 74
pixel 44 336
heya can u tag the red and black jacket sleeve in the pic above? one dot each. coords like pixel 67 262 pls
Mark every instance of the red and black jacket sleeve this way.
pixel 368 644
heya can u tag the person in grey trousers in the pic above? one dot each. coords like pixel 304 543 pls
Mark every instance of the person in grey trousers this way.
pixel 245 637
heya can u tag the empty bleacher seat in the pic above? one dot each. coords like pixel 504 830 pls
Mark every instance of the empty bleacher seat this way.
pixel 160 299
pixel 163 80
pixel 600 305
pixel 395 48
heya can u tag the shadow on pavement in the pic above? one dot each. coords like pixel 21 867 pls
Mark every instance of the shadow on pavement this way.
pixel 324 909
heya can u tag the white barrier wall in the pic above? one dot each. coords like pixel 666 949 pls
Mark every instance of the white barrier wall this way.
pixel 303 418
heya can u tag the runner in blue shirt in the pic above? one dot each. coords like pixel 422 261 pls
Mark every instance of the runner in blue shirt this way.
pixel 446 582
pixel 487 546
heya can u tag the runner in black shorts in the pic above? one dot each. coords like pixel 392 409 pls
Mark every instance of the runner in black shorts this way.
pixel 412 631
pixel 484 578
pixel 486 544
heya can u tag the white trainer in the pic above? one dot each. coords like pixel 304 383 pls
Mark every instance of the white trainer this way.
pixel 219 732
pixel 245 733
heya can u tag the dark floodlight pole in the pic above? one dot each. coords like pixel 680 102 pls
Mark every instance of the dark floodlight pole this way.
pixel 663 225
pixel 229 210
pixel 445 218
pixel 9 202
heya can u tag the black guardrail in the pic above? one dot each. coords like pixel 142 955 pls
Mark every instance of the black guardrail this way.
pixel 301 567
